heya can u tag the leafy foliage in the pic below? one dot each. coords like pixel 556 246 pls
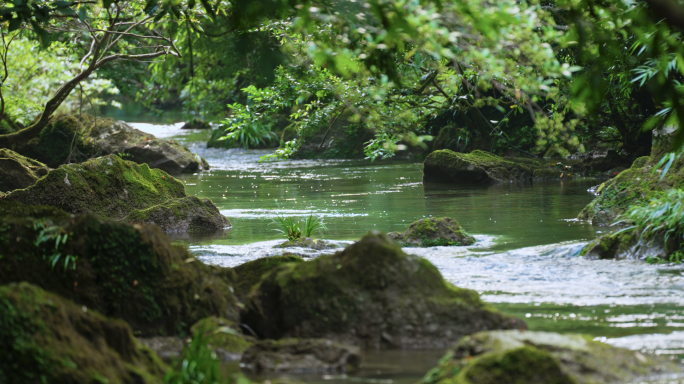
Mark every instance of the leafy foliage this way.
pixel 662 216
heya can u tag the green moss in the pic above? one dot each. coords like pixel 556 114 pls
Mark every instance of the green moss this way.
pixel 517 357
pixel 373 294
pixel 45 338
pixel 130 272
pixel 223 334
pixel 438 231
pixel 523 365
pixel 249 274
pixel 631 186
pixel 17 171
pixel 107 186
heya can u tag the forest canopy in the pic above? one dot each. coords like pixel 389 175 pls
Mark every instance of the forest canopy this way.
pixel 540 77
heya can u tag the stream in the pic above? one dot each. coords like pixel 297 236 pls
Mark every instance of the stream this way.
pixel 525 261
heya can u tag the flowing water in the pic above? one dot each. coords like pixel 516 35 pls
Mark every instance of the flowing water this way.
pixel 525 261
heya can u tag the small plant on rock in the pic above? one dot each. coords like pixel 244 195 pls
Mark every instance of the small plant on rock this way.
pixel 662 216
pixel 313 225
pixel 47 234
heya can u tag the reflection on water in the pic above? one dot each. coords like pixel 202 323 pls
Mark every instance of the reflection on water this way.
pixel 384 367
pixel 525 261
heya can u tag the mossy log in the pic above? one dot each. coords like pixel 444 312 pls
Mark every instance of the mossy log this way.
pixel 371 294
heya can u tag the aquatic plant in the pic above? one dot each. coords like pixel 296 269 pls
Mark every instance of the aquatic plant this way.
pixel 294 230
pixel 288 227
pixel 313 225
pixel 662 216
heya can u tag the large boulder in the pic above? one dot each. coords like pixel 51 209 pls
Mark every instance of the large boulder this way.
pixel 434 231
pixel 132 272
pixel 512 357
pixel 476 166
pixel 187 214
pixel 45 338
pixel 70 139
pixel 300 356
pixel 250 273
pixel 371 294
pixel 112 188
pixel 17 171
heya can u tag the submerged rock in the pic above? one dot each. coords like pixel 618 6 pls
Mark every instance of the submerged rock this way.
pixel 370 294
pixel 251 272
pixel 17 171
pixel 503 357
pixel 46 338
pixel 307 242
pixel 224 337
pixel 112 188
pixel 476 166
pixel 430 232
pixel 66 139
pixel 120 270
pixel 300 356
pixel 187 214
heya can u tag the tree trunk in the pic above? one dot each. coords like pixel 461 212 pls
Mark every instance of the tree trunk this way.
pixel 28 133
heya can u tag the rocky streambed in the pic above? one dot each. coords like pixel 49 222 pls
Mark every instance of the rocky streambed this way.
pixel 515 246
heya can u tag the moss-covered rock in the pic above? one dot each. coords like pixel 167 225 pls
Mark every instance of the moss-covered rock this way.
pixel 307 242
pixel 48 339
pixel 512 357
pixel 370 294
pixel 636 185
pixel 626 245
pixel 433 231
pixel 301 356
pixel 70 139
pixel 107 186
pixel 121 270
pixel 112 188
pixel 251 272
pixel 17 171
pixel 476 166
pixel 188 214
